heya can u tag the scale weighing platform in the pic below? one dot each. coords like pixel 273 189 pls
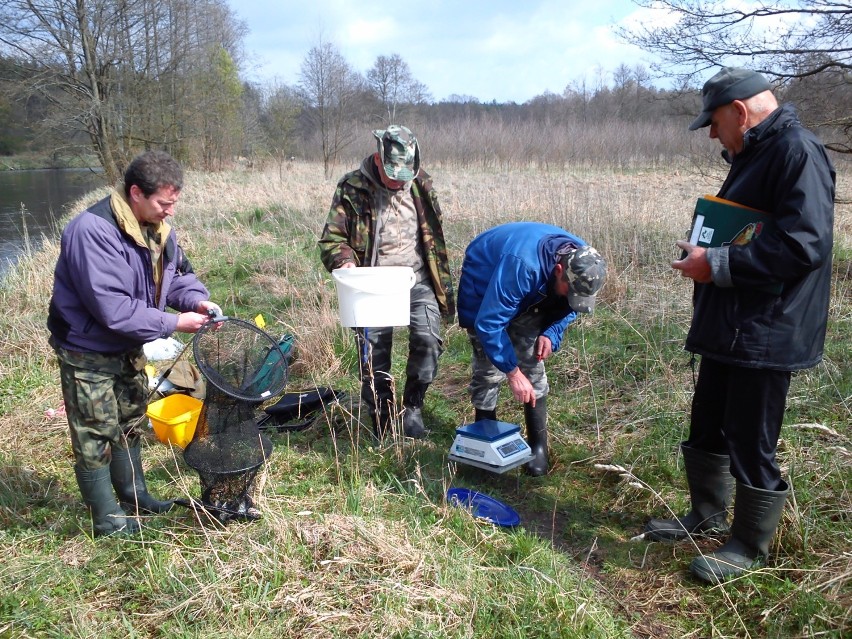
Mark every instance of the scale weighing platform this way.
pixel 490 445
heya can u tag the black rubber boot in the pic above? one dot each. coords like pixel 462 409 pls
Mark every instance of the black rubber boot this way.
pixel 710 487
pixel 484 414
pixel 107 516
pixel 382 424
pixel 412 403
pixel 757 513
pixel 536 422
pixel 128 479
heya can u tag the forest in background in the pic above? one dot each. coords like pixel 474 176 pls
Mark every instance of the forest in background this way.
pixel 104 79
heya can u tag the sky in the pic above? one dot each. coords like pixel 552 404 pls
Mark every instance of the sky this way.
pixel 503 50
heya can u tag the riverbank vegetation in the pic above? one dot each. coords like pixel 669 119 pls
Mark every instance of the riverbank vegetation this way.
pixel 358 540
pixel 31 161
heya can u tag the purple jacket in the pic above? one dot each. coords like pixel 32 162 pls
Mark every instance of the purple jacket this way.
pixel 103 290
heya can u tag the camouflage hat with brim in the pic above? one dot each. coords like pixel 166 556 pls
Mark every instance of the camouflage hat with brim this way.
pixel 586 274
pixel 399 152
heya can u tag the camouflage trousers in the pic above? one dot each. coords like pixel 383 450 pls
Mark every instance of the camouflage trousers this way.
pixel 105 401
pixel 424 348
pixel 486 378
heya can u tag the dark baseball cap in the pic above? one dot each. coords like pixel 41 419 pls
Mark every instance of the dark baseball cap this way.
pixel 729 84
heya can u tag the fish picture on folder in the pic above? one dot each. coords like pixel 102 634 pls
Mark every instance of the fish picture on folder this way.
pixel 720 222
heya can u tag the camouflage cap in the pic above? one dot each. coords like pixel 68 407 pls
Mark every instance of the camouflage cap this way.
pixel 586 274
pixel 399 152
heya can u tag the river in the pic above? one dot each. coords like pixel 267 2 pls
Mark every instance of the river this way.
pixel 33 202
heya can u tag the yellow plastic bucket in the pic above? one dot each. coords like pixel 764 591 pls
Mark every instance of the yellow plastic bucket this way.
pixel 174 418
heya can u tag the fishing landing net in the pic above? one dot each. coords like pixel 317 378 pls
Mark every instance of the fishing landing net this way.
pixel 243 367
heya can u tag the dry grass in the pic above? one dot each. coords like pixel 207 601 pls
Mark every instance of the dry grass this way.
pixel 359 542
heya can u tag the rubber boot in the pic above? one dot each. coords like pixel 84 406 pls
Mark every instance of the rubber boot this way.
pixel 481 414
pixel 412 403
pixel 107 516
pixel 757 513
pixel 710 487
pixel 382 423
pixel 128 479
pixel 536 422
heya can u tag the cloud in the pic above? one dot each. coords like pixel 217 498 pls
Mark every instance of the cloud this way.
pixel 498 49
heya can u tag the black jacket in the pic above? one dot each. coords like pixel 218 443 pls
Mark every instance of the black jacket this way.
pixel 784 170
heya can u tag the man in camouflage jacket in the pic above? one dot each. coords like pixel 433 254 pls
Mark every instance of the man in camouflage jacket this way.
pixel 386 213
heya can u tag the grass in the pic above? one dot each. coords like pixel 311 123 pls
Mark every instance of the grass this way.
pixel 30 161
pixel 358 541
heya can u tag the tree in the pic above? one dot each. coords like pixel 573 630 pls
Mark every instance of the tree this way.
pixel 278 121
pixel 71 40
pixel 219 93
pixel 391 82
pixel 121 71
pixel 805 45
pixel 330 89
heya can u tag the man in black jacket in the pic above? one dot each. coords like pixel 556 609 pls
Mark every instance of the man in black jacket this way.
pixel 750 340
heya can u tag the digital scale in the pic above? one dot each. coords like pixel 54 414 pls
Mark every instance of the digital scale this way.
pixel 490 445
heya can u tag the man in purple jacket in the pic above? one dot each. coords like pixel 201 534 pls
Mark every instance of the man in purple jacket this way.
pixel 119 267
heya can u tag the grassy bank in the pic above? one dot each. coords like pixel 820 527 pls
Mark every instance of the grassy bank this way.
pixel 30 161
pixel 358 541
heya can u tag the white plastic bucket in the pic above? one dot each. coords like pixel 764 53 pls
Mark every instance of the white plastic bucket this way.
pixel 374 296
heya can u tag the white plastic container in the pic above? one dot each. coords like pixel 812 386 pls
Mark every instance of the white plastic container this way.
pixel 374 296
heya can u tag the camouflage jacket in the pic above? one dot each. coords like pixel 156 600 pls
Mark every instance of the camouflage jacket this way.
pixel 349 231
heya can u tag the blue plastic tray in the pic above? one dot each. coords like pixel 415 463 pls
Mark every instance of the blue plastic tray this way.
pixel 483 507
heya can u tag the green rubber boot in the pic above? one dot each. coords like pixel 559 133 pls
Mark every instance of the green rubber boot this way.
pixel 107 516
pixel 757 513
pixel 128 479
pixel 710 487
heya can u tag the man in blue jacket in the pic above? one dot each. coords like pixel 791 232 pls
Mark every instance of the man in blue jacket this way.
pixel 521 285
pixel 119 267
pixel 750 336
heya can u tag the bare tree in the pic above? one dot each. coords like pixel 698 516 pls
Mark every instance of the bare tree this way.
pixel 122 71
pixel 807 43
pixel 394 87
pixel 77 62
pixel 330 89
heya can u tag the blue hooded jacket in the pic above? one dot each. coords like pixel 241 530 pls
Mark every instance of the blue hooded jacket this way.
pixel 505 273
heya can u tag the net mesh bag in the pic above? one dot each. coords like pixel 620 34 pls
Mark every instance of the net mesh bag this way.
pixel 240 359
pixel 243 366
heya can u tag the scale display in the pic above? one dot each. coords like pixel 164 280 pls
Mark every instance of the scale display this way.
pixel 512 447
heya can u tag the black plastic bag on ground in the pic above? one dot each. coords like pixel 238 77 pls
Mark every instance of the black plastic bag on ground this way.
pixel 298 410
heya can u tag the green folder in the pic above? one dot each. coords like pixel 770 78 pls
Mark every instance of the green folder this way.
pixel 720 222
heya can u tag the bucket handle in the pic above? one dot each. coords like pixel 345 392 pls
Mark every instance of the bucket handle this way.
pixel 370 290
